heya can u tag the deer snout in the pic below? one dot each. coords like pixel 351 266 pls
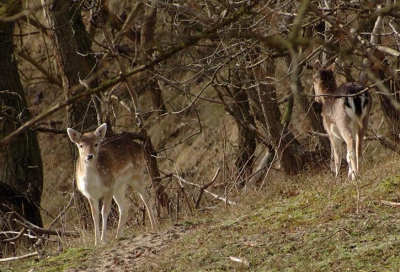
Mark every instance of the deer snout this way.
pixel 89 157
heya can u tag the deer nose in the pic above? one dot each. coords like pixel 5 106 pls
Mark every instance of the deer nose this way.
pixel 89 156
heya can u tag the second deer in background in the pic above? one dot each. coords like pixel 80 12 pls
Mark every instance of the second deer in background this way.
pixel 345 113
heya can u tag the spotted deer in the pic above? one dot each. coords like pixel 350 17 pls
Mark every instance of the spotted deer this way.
pixel 103 169
pixel 345 113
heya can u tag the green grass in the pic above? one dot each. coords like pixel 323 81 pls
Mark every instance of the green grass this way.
pixel 345 230
pixel 67 259
pixel 305 223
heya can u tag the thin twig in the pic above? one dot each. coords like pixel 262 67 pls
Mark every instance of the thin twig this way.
pixel 63 212
pixel 204 187
pixel 15 238
pixel 208 192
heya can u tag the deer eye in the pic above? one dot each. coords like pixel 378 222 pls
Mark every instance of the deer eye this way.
pixel 80 145
pixel 96 145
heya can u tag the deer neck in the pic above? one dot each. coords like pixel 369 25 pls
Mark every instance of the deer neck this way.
pixel 86 168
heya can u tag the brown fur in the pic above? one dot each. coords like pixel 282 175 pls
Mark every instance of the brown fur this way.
pixel 103 169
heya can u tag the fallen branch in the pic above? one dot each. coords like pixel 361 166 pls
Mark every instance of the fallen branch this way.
pixel 10 259
pixel 391 203
pixel 239 260
pixel 388 143
pixel 38 230
pixel 208 192
pixel 15 238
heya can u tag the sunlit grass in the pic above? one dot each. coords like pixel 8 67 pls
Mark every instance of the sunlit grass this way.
pixel 311 222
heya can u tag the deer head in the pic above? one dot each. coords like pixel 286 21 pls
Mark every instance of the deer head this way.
pixel 89 143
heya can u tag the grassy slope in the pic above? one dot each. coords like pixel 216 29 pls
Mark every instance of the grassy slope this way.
pixel 306 223
pixel 310 222
pixel 310 229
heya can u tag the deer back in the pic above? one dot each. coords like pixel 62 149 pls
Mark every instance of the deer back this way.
pixel 120 157
pixel 108 163
pixel 359 103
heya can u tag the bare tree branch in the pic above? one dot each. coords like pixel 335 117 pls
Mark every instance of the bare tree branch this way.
pixel 17 258
pixel 208 192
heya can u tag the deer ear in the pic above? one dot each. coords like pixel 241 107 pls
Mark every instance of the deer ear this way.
pixel 332 66
pixel 101 131
pixel 317 65
pixel 73 135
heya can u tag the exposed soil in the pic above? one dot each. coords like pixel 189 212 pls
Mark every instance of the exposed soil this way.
pixel 134 253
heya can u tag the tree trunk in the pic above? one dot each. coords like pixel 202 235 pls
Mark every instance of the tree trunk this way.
pixel 20 161
pixel 238 106
pixel 146 49
pixel 72 50
pixel 21 170
pixel 282 141
pixel 390 109
pixel 247 138
pixel 389 96
pixel 73 54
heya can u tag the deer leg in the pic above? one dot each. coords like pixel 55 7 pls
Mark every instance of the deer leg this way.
pixel 119 197
pixel 141 189
pixel 359 139
pixel 359 142
pixel 336 143
pixel 94 206
pixel 352 157
pixel 105 211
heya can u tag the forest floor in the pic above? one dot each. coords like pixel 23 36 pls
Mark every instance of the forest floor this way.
pixel 311 222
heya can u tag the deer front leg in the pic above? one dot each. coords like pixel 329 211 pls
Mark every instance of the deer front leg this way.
pixel 337 152
pixel 94 206
pixel 105 211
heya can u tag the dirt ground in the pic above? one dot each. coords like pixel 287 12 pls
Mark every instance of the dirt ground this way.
pixel 134 253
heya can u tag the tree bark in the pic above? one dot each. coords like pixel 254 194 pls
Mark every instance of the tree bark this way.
pixel 73 53
pixel 247 138
pixel 22 203
pixel 282 141
pixel 20 161
pixel 146 49
pixel 71 45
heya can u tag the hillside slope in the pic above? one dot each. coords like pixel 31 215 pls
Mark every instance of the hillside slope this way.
pixel 306 223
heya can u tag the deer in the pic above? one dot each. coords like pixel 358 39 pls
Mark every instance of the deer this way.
pixel 103 169
pixel 345 114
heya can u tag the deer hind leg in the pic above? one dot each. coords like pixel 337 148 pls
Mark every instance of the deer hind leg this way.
pixel 352 157
pixel 359 139
pixel 120 199
pixel 105 211
pixel 141 189
pixel 94 207
pixel 359 143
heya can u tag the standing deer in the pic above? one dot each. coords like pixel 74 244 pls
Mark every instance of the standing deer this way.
pixel 102 171
pixel 345 115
